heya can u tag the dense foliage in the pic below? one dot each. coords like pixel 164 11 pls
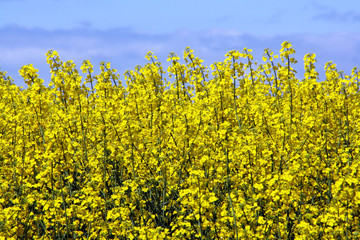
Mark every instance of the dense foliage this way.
pixel 245 151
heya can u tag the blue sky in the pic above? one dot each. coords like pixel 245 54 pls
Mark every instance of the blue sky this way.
pixel 122 32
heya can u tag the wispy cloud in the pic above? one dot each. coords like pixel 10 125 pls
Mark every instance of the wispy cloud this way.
pixel 331 14
pixel 335 16
pixel 125 48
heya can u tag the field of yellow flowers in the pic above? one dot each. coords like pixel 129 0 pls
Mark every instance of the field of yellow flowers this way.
pixel 244 151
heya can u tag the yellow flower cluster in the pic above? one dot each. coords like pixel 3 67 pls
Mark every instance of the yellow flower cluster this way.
pixel 244 151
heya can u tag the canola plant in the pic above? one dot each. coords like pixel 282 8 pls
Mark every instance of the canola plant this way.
pixel 245 151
